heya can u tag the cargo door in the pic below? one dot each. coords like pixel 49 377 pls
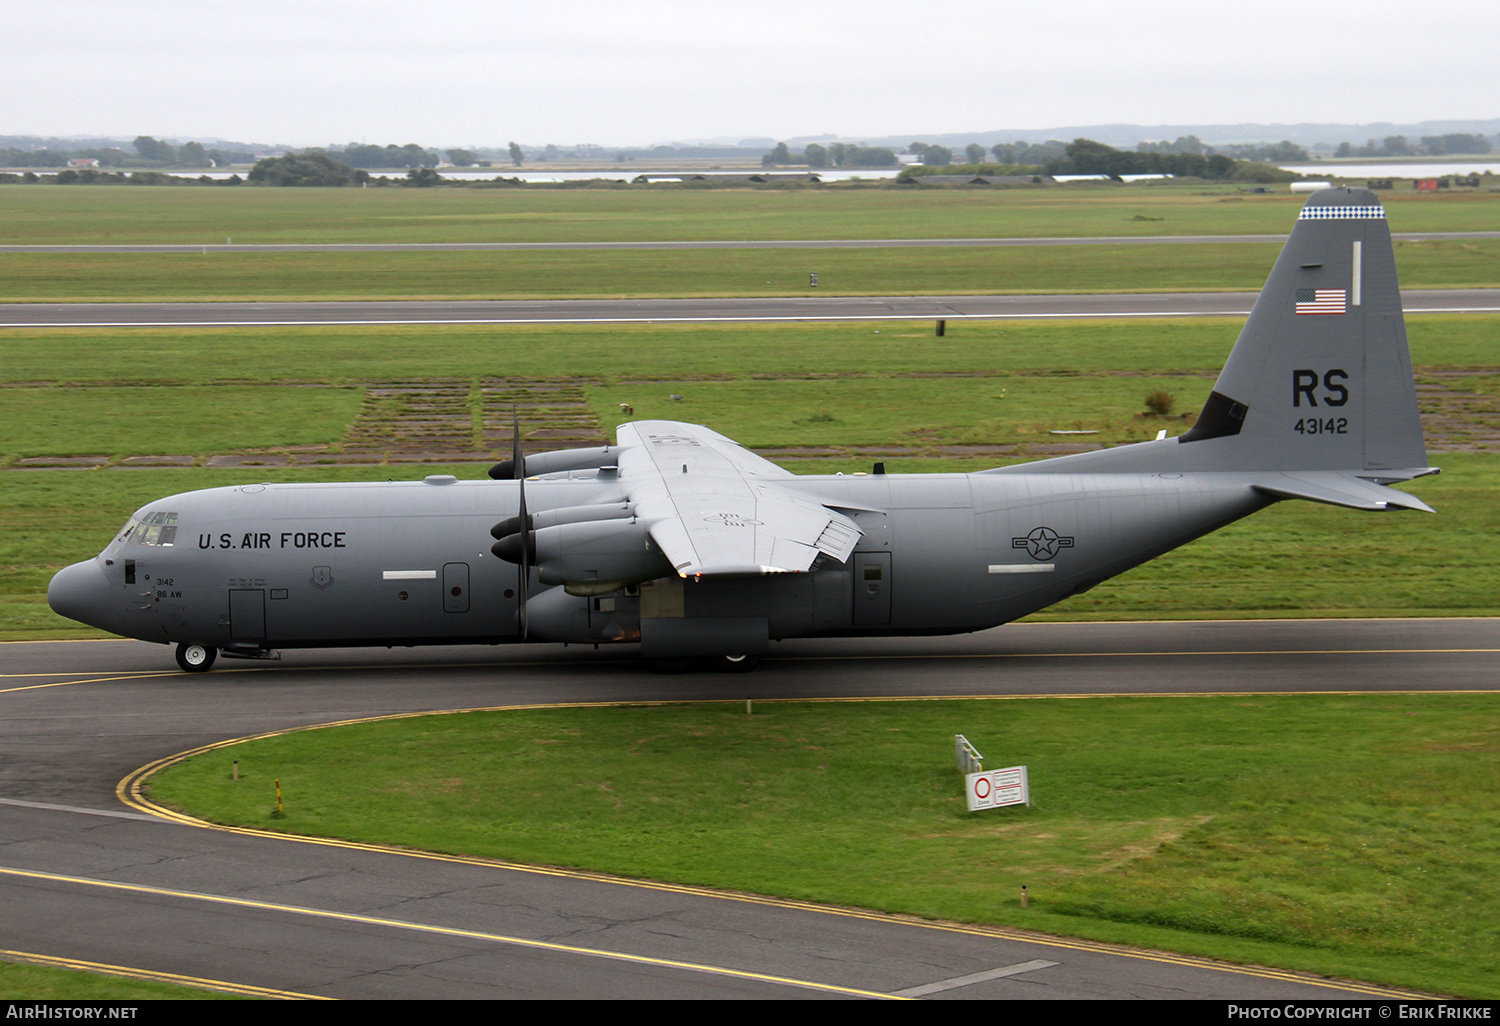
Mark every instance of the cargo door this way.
pixel 247 614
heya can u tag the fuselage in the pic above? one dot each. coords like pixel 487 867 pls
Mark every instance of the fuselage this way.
pixel 264 566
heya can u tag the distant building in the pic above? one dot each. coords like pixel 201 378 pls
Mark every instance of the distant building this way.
pixel 726 177
pixel 83 161
pixel 978 179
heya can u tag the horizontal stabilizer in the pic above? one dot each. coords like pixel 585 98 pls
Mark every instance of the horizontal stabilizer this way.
pixel 1338 490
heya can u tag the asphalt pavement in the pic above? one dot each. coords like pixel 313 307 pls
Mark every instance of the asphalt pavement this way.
pixel 85 876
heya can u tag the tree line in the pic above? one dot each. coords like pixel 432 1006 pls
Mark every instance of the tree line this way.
pixel 1184 158
pixel 146 152
pixel 1430 146
pixel 854 155
pixel 1284 152
pixel 1087 157
pixel 833 155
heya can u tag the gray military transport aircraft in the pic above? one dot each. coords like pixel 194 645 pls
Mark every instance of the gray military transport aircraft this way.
pixel 681 540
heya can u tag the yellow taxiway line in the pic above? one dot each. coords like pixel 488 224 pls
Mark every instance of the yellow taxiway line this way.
pixel 444 931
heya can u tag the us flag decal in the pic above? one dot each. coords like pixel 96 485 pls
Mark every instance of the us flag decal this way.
pixel 1320 301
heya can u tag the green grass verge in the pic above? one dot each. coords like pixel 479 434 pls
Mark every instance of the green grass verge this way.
pixel 210 216
pixel 1348 835
pixel 70 420
pixel 111 215
pixel 20 982
pixel 665 353
pixel 987 410
pixel 955 270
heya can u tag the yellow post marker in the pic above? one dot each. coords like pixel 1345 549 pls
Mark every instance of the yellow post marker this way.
pixel 278 796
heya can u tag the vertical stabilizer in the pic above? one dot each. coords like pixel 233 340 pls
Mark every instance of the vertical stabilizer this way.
pixel 1320 378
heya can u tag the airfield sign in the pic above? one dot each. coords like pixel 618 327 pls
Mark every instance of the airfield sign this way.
pixel 997 788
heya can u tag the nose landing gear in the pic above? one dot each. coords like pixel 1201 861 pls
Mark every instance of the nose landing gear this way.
pixel 196 658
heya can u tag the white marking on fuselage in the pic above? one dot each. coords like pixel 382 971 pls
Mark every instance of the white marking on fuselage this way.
pixel 408 575
pixel 1022 568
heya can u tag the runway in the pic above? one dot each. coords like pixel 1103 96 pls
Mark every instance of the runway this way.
pixel 84 877
pixel 668 311
pixel 481 247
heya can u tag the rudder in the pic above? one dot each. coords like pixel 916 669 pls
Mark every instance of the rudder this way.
pixel 1320 378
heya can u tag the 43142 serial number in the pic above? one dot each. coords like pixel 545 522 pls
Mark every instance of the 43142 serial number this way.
pixel 1314 426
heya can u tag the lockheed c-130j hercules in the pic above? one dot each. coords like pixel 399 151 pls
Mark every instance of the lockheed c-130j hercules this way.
pixel 681 540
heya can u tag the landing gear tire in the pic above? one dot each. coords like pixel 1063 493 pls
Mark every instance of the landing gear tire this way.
pixel 196 658
pixel 735 663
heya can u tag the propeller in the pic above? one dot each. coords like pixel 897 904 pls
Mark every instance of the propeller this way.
pixel 519 459
pixel 514 540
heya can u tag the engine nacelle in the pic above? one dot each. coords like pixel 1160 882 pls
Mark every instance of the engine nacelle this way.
pixel 558 461
pixel 597 556
pixel 562 515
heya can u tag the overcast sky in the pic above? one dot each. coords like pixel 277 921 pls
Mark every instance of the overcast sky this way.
pixel 618 72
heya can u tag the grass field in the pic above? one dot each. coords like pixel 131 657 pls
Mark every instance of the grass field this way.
pixel 58 215
pixel 821 386
pixel 955 270
pixel 172 418
pixel 106 214
pixel 23 982
pixel 626 353
pixel 1346 835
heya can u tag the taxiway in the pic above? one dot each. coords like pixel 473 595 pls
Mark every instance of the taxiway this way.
pixel 86 878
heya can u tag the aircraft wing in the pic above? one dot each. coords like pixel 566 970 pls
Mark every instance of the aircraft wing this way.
pixel 715 508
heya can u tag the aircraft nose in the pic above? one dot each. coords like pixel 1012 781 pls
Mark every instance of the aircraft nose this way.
pixel 79 593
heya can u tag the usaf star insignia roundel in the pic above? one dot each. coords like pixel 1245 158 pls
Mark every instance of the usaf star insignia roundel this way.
pixel 1043 543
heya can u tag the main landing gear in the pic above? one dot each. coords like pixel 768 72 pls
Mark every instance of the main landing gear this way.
pixel 196 658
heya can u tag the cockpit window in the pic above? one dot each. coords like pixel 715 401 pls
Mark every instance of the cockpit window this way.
pixel 155 529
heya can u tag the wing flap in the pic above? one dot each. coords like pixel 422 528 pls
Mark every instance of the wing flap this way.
pixel 716 509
